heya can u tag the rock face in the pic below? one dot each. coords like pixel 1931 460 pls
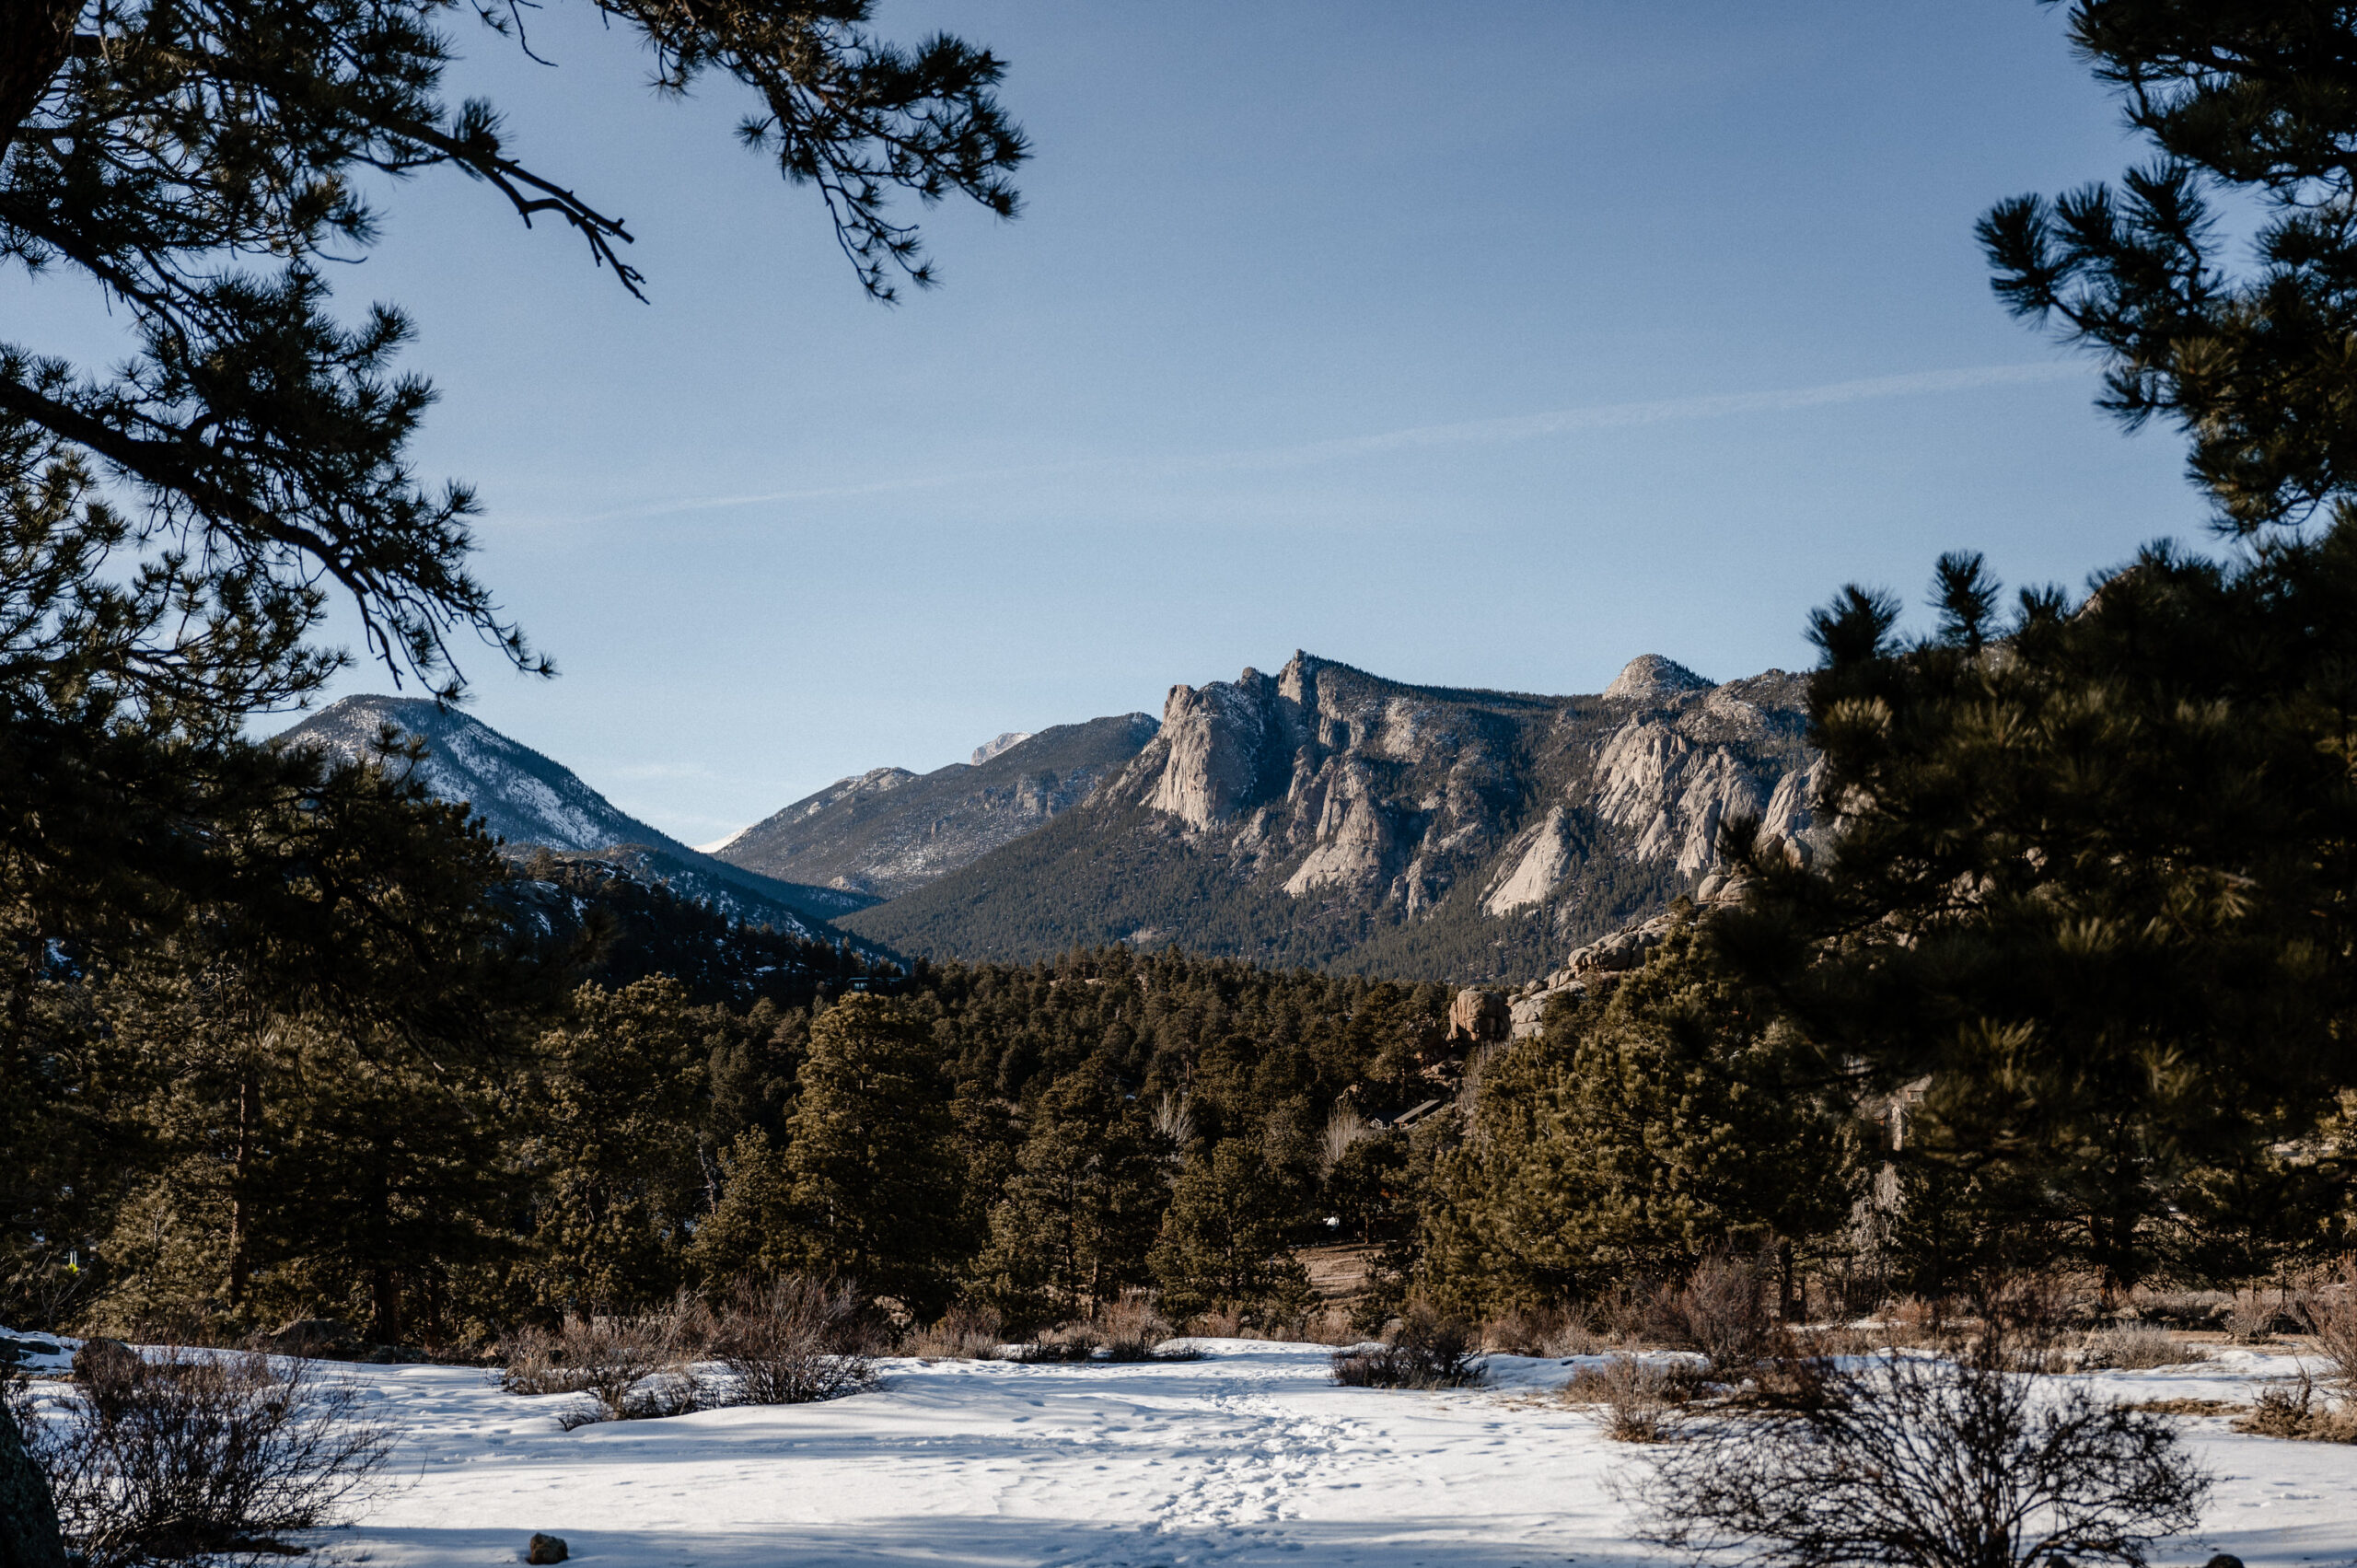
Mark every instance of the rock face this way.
pixel 1478 1017
pixel 1323 815
pixel 888 830
pixel 993 746
pixel 531 802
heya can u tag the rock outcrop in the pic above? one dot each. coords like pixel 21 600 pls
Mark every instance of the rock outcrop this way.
pixel 1477 1017
pixel 1325 815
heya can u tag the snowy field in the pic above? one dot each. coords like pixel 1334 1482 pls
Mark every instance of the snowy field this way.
pixel 1247 1456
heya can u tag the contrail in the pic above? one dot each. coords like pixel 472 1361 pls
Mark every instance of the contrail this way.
pixel 1478 432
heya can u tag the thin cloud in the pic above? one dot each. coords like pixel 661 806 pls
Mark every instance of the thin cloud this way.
pixel 1478 432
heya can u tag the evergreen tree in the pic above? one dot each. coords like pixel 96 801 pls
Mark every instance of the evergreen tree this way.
pixel 2094 858
pixel 615 1147
pixel 869 1183
pixel 1225 1240
pixel 155 149
pixel 2248 104
pixel 2091 884
pixel 1080 1208
pixel 1633 1136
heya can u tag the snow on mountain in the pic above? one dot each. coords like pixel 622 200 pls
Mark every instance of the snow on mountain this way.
pixel 528 800
pixel 888 830
pixel 989 748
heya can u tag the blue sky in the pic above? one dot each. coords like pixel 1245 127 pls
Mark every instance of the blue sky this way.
pixel 1481 345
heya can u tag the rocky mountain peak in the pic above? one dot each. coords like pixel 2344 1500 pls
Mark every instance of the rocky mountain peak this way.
pixel 991 748
pixel 1649 677
pixel 1325 814
pixel 888 831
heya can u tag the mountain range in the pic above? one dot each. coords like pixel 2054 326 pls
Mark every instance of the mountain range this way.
pixel 533 802
pixel 1322 815
pixel 890 832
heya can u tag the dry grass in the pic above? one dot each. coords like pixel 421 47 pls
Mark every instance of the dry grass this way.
pixel 2329 1308
pixel 2187 1407
pixel 1540 1332
pixel 1065 1341
pixel 2253 1318
pixel 2293 1411
pixel 1639 1403
pixel 2135 1347
pixel 1133 1331
pixel 965 1332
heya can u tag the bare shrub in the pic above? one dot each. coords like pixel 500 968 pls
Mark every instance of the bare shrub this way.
pixel 1720 1311
pixel 1064 1342
pixel 199 1454
pixel 2329 1308
pixel 1223 1322
pixel 2291 1409
pixel 1641 1403
pixel 1424 1349
pixel 2132 1347
pixel 635 1368
pixel 1617 1314
pixel 965 1332
pixel 2252 1318
pixel 1930 1465
pixel 1540 1332
pixel 2026 1321
pixel 1132 1329
pixel 794 1341
pixel 530 1363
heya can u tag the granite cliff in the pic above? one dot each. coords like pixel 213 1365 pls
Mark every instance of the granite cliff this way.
pixel 1325 816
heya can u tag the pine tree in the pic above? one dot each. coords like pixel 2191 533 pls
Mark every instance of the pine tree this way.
pixel 266 441
pixel 1225 1240
pixel 2095 858
pixel 870 1191
pixel 1633 1137
pixel 2249 105
pixel 615 1147
pixel 1080 1207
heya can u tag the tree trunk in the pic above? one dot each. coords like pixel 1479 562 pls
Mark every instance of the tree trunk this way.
pixel 29 1534
pixel 384 1281
pixel 35 38
pixel 385 1303
pixel 240 1221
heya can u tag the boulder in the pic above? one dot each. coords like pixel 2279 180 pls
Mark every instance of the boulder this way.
pixel 546 1549
pixel 1479 1016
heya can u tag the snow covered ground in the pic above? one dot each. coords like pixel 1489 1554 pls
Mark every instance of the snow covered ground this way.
pixel 1247 1456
